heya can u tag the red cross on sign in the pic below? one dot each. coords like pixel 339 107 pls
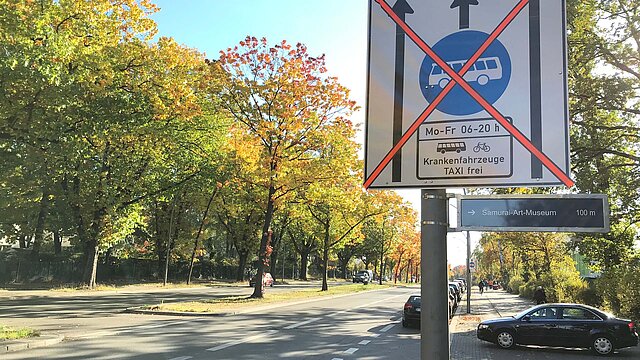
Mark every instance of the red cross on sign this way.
pixel 477 66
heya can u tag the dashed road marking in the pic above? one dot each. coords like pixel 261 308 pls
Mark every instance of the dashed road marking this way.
pixel 337 359
pixel 163 324
pixel 374 335
pixel 386 328
pixel 242 341
pixel 364 342
pixel 182 358
pixel 301 323
pixel 350 351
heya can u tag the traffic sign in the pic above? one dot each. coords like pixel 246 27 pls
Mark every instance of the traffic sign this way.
pixel 562 213
pixel 472 266
pixel 491 72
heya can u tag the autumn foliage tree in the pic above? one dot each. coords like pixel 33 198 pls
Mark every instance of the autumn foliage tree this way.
pixel 283 103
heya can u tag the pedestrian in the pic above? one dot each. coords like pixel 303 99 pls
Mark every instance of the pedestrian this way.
pixel 539 296
pixel 481 286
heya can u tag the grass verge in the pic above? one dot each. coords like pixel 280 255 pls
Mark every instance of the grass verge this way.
pixel 7 333
pixel 234 303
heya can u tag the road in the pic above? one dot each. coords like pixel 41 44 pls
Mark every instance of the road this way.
pixel 365 325
pixel 362 326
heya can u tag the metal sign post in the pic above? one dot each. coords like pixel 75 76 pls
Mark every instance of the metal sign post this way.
pixel 434 321
pixel 469 282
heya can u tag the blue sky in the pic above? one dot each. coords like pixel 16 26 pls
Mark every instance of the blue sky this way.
pixel 337 28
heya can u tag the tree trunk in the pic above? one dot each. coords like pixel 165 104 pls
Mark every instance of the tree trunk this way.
pixel 168 254
pixel 275 244
pixel 22 241
pixel 344 270
pixel 325 264
pixel 304 263
pixel 258 291
pixel 91 264
pixel 242 265
pixel 42 215
pixel 57 242
pixel 195 243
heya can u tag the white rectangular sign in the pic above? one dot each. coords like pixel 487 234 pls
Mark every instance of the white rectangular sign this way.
pixel 480 137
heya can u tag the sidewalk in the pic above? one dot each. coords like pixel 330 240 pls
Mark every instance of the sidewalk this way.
pixel 491 304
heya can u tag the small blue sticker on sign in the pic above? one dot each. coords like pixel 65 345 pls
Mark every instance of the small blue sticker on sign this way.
pixel 489 76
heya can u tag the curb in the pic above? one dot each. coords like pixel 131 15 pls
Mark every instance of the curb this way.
pixel 138 310
pixel 31 343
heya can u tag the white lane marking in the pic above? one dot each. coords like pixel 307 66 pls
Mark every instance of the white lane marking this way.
pixel 374 335
pixel 238 342
pixel 293 326
pixel 350 351
pixel 364 342
pixel 153 326
pixel 301 323
pixel 368 304
pixel 182 358
pixel 386 328
pixel 337 359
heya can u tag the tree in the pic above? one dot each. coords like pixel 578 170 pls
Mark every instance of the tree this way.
pixel 91 94
pixel 283 104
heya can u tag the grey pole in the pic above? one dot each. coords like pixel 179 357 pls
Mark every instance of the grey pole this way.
pixel 469 283
pixel 434 319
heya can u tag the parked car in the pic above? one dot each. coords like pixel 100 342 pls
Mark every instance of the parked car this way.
pixel 364 276
pixel 460 285
pixel 453 296
pixel 561 325
pixel 453 304
pixel 411 312
pixel 267 280
pixel 457 289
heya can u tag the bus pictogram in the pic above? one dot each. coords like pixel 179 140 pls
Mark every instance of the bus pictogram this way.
pixel 451 146
pixel 483 70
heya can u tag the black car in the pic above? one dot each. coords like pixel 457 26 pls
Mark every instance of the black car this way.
pixel 561 325
pixel 364 276
pixel 411 313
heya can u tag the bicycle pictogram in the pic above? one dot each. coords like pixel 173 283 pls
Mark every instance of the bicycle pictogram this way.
pixel 482 146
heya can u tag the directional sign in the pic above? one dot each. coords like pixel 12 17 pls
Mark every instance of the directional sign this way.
pixel 562 213
pixel 475 96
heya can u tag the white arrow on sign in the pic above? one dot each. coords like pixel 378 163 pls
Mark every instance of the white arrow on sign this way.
pixel 472 212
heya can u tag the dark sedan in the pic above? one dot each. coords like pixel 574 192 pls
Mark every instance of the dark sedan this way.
pixel 411 312
pixel 561 325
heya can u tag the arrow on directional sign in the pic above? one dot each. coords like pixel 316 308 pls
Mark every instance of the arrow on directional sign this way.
pixel 401 8
pixel 464 11
pixel 472 212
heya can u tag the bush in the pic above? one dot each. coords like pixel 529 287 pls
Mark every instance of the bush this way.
pixel 526 290
pixel 619 289
pixel 514 285
pixel 589 296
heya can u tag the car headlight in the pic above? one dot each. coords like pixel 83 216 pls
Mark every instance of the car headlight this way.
pixel 483 326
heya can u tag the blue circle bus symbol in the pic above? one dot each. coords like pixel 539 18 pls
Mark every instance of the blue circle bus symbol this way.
pixel 489 75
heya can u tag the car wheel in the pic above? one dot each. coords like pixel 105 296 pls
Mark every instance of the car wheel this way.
pixel 505 339
pixel 405 323
pixel 602 345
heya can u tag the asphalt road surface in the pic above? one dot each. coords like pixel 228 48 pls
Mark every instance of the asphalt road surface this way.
pixel 363 326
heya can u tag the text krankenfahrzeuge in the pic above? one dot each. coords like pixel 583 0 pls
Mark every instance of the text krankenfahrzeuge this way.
pixel 465 160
